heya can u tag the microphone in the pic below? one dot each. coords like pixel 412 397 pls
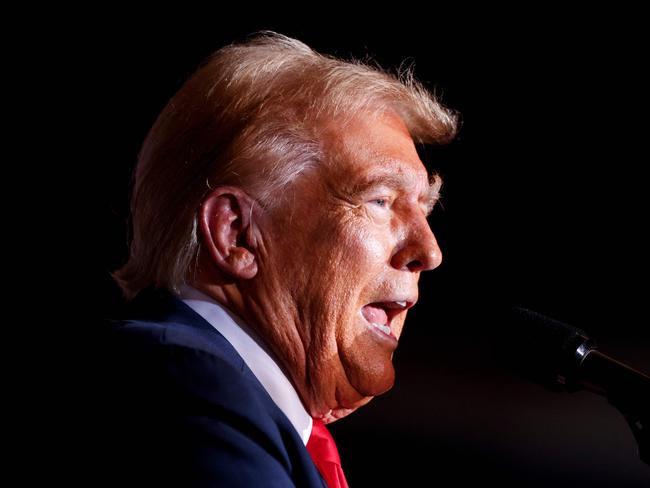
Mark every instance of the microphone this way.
pixel 555 352
pixel 563 357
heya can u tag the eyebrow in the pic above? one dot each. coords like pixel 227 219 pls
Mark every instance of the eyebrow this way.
pixel 396 182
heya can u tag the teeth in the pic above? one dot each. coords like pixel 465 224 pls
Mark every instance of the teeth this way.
pixel 401 304
pixel 384 328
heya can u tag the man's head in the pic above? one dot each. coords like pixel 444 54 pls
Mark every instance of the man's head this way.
pixel 286 185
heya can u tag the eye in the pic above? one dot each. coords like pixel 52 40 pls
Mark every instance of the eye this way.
pixel 382 202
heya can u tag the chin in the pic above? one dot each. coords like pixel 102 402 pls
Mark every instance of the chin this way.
pixel 371 375
pixel 374 385
pixel 363 368
pixel 358 394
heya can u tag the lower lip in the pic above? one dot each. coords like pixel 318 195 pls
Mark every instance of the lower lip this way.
pixel 388 339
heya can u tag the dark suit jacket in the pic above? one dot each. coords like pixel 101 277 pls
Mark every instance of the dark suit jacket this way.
pixel 185 410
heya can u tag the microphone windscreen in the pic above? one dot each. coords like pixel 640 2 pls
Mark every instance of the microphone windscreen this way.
pixel 541 348
pixel 546 333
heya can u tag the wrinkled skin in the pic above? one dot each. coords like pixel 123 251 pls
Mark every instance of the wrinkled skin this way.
pixel 354 232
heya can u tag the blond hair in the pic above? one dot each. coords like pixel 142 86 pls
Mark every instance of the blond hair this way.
pixel 249 116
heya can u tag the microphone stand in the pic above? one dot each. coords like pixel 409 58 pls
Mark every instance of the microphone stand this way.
pixel 625 388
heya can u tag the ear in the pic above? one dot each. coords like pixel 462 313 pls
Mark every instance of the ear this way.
pixel 225 220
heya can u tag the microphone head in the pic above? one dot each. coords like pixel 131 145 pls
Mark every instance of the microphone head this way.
pixel 543 349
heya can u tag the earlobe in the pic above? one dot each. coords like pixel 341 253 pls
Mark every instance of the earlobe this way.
pixel 225 220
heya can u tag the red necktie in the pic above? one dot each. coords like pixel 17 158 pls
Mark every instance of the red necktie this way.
pixel 322 450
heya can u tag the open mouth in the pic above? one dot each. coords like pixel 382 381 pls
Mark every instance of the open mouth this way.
pixel 381 314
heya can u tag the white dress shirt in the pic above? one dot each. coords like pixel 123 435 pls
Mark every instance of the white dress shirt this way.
pixel 255 354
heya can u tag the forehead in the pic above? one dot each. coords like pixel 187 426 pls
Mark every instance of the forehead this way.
pixel 374 146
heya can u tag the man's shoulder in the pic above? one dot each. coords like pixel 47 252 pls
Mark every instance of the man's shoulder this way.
pixel 181 399
pixel 156 320
pixel 164 357
pixel 178 363
pixel 181 408
pixel 148 335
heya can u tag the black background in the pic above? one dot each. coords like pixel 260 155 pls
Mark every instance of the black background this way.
pixel 544 204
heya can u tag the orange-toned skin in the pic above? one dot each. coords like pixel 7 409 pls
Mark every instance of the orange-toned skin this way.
pixel 353 232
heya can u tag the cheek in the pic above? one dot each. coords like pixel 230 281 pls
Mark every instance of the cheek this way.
pixel 345 250
pixel 350 270
pixel 366 246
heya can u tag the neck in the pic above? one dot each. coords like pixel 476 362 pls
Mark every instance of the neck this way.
pixel 284 342
pixel 275 325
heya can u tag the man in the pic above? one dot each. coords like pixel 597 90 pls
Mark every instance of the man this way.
pixel 279 231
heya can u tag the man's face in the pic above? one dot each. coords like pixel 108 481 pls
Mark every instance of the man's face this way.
pixel 344 260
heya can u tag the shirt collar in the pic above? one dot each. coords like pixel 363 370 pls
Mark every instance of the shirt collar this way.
pixel 255 354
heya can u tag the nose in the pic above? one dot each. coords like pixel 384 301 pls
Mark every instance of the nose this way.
pixel 419 251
